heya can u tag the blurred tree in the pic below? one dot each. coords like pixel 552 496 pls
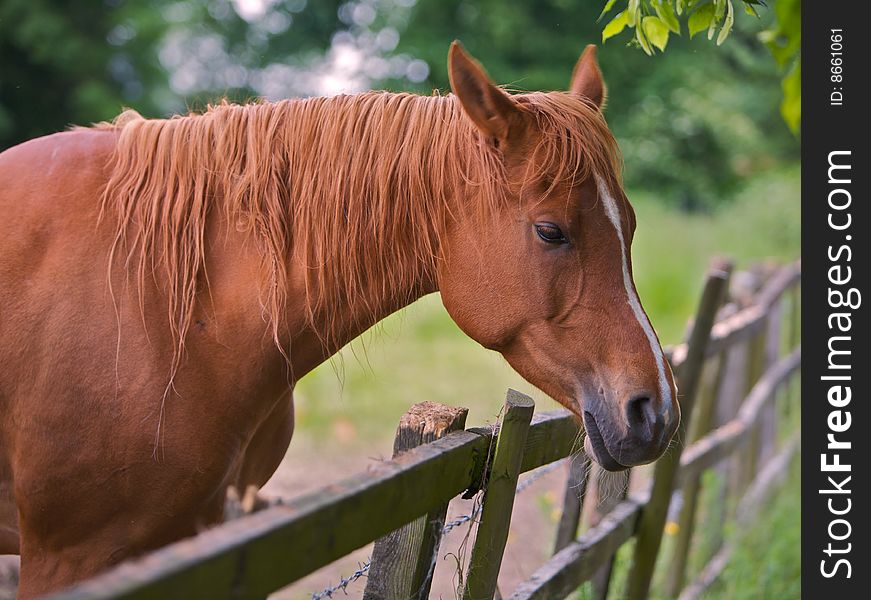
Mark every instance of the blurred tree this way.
pixel 692 127
pixel 63 63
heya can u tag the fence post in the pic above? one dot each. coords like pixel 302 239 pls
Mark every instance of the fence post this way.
pixel 773 350
pixel 703 422
pixel 403 560
pixel 602 579
pixel 498 500
pixel 755 368
pixel 793 390
pixel 653 517
pixel 692 487
pixel 573 502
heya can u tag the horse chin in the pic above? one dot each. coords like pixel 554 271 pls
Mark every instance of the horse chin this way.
pixel 594 446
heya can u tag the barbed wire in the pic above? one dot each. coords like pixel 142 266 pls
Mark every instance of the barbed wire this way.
pixel 363 568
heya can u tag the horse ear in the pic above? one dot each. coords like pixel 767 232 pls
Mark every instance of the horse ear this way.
pixel 587 79
pixel 491 109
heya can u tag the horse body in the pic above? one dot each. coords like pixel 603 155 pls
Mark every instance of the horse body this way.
pixel 84 466
pixel 164 284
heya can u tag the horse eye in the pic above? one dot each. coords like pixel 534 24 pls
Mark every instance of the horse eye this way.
pixel 550 233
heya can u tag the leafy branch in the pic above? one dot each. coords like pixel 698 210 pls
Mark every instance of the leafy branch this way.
pixel 653 21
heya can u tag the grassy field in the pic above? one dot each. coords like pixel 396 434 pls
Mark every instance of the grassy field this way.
pixel 766 565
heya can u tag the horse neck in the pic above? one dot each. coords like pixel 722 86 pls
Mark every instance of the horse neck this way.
pixel 383 224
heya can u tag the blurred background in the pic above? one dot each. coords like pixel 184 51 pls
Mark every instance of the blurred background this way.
pixel 710 164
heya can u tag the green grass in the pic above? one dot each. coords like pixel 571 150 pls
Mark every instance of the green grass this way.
pixel 765 564
pixel 420 354
pixel 767 560
pixel 672 249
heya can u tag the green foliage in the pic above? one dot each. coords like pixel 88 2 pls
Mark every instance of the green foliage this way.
pixel 658 18
pixel 784 41
pixel 63 63
pixel 60 66
pixel 783 38
pixel 656 31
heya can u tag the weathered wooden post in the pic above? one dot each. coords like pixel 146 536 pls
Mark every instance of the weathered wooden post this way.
pixel 703 422
pixel 774 345
pixel 602 579
pixel 573 501
pixel 692 487
pixel 653 518
pixel 486 558
pixel 794 387
pixel 403 560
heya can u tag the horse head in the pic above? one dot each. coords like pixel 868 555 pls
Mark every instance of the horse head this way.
pixel 545 278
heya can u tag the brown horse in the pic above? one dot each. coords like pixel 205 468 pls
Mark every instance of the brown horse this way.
pixel 164 284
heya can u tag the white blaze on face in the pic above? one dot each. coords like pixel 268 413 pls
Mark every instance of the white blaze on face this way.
pixel 613 213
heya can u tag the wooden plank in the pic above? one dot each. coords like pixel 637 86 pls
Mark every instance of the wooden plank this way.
pixel 255 555
pixel 440 471
pixel 794 339
pixel 577 562
pixel 653 520
pixel 486 558
pixel 403 561
pixel 755 370
pixel 573 501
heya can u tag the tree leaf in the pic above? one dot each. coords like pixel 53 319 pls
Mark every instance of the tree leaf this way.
pixel 790 108
pixel 615 26
pixel 642 40
pixel 632 12
pixel 701 19
pixel 608 6
pixel 656 32
pixel 719 11
pixel 665 12
pixel 727 24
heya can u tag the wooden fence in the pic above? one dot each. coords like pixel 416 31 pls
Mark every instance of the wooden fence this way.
pixel 749 338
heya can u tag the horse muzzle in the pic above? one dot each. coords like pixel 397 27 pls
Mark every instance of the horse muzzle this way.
pixel 637 434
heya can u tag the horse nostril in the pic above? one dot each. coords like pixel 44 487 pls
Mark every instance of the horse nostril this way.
pixel 641 417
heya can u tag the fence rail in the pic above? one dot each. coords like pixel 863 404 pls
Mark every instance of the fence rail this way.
pixel 257 554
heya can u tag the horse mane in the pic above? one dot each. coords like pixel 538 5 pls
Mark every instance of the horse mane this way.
pixel 357 187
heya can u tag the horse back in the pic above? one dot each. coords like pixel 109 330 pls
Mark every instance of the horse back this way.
pixel 49 239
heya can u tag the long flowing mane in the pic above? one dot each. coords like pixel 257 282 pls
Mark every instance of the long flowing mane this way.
pixel 357 187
